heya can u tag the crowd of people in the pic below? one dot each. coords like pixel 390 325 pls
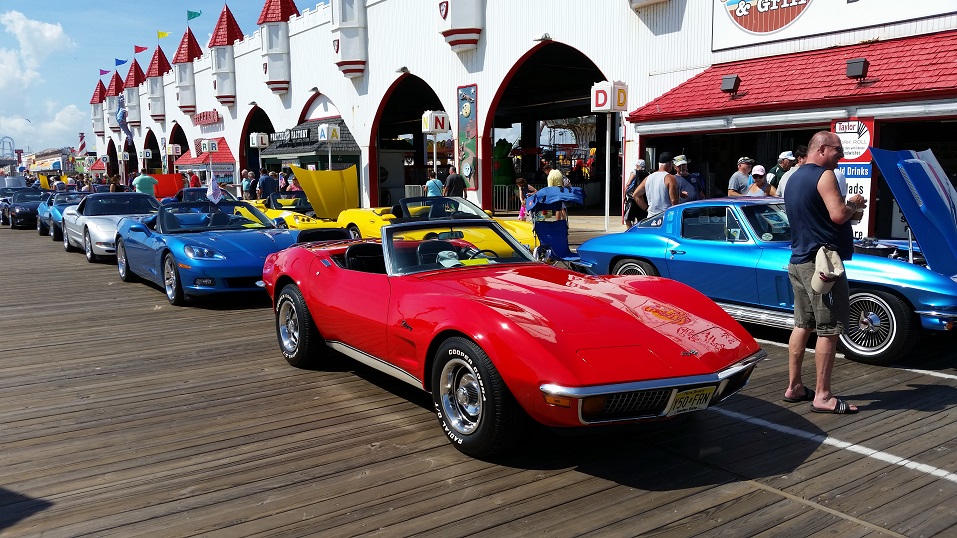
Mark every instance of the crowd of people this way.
pixel 257 188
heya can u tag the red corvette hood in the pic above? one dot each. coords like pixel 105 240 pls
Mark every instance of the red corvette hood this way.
pixel 632 327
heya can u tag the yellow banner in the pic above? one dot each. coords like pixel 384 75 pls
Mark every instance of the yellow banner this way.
pixel 44 182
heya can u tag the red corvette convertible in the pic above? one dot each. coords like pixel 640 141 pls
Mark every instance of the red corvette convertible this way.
pixel 461 310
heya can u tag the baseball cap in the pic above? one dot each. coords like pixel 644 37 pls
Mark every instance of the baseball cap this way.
pixel 665 157
pixel 786 155
pixel 758 171
pixel 743 160
pixel 828 267
pixel 640 163
pixel 680 160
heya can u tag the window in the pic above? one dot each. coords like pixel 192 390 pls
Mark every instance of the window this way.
pixel 704 223
pixel 769 222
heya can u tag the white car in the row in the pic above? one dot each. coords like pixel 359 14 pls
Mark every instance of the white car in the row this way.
pixel 92 223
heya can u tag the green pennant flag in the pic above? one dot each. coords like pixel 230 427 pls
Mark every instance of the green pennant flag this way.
pixel 190 15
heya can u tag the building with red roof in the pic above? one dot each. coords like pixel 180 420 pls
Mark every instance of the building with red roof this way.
pixel 131 91
pixel 225 34
pixel 188 51
pixel 96 106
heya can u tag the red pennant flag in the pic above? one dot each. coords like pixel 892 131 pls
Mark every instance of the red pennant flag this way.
pixel 138 49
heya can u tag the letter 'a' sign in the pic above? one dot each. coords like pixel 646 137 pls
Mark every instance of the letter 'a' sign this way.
pixel 609 97
pixel 329 132
pixel 435 121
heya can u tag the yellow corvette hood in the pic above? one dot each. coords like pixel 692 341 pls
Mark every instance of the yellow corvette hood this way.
pixel 329 191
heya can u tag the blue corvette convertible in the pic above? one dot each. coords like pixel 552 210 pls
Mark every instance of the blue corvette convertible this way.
pixel 50 212
pixel 199 248
pixel 736 251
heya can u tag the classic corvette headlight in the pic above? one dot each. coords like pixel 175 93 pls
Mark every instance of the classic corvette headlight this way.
pixel 202 253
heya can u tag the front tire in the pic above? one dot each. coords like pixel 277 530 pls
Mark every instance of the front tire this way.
pixel 475 409
pixel 67 246
pixel 122 264
pixel 56 233
pixel 171 282
pixel 631 266
pixel 42 228
pixel 299 339
pixel 354 231
pixel 881 327
pixel 88 247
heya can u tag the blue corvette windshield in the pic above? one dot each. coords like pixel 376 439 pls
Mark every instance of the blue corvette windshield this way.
pixel 188 217
pixel 769 221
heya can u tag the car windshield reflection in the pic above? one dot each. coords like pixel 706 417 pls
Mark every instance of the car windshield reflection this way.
pixel 206 216
pixel 441 207
pixel 418 247
pixel 769 221
pixel 120 205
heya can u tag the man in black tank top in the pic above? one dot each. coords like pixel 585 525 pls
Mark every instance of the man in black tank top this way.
pixel 819 216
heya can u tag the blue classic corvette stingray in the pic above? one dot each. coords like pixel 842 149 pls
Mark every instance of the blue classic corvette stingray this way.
pixel 199 248
pixel 50 212
pixel 736 251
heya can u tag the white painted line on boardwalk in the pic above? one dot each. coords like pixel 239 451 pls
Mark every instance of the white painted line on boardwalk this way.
pixel 825 440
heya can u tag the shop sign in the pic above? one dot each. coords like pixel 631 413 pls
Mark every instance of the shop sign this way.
pixel 207 117
pixel 328 132
pixel 859 179
pixel 609 97
pixel 435 121
pixel 856 137
pixel 744 23
pixel 291 135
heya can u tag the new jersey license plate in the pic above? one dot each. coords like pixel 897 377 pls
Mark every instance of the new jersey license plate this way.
pixel 691 400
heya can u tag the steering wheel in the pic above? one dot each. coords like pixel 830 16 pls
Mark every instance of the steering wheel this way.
pixel 475 254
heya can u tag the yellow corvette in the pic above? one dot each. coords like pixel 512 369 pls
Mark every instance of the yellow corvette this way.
pixel 291 209
pixel 369 222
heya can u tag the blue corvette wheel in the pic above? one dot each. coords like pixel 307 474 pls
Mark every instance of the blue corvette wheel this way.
pixel 174 289
pixel 630 266
pixel 880 327
pixel 122 264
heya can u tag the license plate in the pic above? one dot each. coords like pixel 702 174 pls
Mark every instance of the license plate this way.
pixel 691 400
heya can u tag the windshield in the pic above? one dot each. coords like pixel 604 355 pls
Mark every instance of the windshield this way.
pixel 199 195
pixel 205 216
pixel 413 248
pixel 68 198
pixel 29 196
pixel 120 205
pixel 769 221
pixel 441 207
pixel 292 201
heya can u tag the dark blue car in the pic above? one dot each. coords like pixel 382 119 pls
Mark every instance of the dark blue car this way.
pixel 736 251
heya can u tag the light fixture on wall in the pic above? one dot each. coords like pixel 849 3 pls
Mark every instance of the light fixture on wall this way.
pixel 253 103
pixel 543 37
pixel 314 89
pixel 402 69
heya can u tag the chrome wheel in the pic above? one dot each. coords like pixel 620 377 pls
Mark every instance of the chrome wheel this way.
pixel 354 231
pixel 460 394
pixel 174 290
pixel 287 324
pixel 879 328
pixel 121 263
pixel 630 266
pixel 67 246
pixel 88 247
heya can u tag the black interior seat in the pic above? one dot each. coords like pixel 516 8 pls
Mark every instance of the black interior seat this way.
pixel 365 257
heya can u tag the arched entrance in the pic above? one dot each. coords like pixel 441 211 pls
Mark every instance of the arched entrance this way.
pixel 131 164
pixel 151 147
pixel 112 167
pixel 550 83
pixel 257 121
pixel 397 153
pixel 177 137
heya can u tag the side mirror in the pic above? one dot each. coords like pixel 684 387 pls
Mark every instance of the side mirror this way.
pixel 488 212
pixel 138 228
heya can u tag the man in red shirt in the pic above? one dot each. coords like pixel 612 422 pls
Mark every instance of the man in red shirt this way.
pixel 194 179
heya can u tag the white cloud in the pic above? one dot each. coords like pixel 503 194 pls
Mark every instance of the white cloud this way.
pixel 61 129
pixel 37 39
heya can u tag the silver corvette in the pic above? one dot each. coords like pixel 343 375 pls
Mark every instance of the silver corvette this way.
pixel 92 223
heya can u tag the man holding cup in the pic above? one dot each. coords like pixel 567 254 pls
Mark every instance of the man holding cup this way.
pixel 820 220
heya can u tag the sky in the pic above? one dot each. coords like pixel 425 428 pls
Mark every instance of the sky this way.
pixel 51 52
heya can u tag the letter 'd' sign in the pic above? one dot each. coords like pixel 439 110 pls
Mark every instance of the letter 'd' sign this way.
pixel 435 121
pixel 609 97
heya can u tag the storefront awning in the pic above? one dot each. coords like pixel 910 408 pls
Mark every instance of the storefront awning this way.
pixel 222 155
pixel 908 77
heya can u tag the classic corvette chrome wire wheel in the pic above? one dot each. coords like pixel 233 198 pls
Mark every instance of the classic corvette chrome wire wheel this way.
pixel 474 407
pixel 629 266
pixel 880 327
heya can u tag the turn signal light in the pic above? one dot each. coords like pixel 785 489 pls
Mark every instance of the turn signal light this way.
pixel 559 401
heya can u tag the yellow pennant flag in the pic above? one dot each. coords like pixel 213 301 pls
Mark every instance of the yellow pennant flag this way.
pixel 44 182
pixel 161 35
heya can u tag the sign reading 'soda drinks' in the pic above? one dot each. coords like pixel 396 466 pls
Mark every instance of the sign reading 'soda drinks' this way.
pixel 741 23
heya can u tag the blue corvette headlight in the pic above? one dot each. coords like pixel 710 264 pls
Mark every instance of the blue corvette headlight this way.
pixel 202 253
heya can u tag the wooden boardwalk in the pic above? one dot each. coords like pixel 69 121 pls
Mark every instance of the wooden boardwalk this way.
pixel 123 416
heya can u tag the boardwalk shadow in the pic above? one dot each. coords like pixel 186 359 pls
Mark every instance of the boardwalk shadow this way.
pixel 15 507
pixel 919 397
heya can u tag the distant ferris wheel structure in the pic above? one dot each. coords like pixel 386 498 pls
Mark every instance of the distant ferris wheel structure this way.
pixel 7 154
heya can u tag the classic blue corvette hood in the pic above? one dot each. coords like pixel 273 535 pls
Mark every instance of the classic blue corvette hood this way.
pixel 251 241
pixel 928 201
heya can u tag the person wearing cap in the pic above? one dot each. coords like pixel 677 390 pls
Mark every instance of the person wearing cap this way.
pixel 800 155
pixel 741 179
pixel 631 210
pixel 820 227
pixel 660 188
pixel 785 162
pixel 760 187
pixel 690 187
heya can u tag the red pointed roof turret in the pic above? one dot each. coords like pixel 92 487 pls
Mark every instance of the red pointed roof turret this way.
pixel 188 50
pixel 227 30
pixel 116 85
pixel 135 76
pixel 159 65
pixel 99 94
pixel 277 11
